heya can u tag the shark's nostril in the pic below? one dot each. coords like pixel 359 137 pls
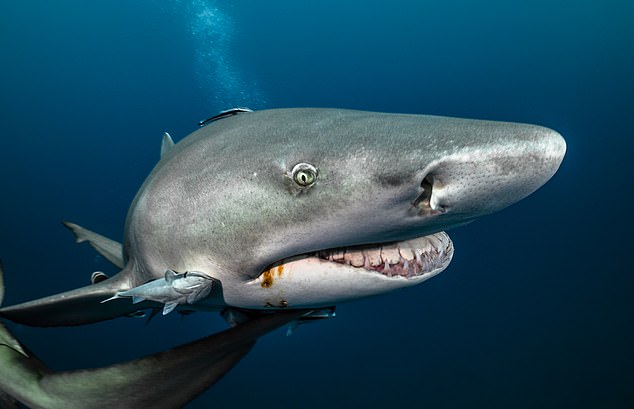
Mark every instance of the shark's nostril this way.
pixel 427 184
pixel 427 202
pixel 423 200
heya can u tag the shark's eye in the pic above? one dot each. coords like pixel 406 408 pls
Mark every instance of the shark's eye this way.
pixel 304 174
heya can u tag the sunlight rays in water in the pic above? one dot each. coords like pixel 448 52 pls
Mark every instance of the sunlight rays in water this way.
pixel 219 76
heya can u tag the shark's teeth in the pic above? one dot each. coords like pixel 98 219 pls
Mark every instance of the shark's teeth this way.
pixel 405 259
pixel 354 258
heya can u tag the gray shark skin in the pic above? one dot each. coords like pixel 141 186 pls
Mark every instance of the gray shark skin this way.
pixel 168 379
pixel 308 208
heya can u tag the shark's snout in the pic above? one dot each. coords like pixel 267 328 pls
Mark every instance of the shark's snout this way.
pixel 483 179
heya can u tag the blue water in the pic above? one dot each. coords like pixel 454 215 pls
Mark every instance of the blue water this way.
pixel 536 309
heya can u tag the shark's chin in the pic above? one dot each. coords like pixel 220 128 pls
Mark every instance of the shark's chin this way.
pixel 328 277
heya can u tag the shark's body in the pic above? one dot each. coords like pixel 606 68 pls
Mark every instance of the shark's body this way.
pixel 302 209
pixel 273 206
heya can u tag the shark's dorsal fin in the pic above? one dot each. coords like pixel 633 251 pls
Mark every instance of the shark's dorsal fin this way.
pixel 166 144
pixel 164 380
pixel 110 249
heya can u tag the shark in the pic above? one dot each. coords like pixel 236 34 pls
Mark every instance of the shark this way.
pixel 289 212
pixel 303 208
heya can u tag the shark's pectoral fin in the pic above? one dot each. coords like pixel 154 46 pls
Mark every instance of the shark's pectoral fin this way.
pixel 81 306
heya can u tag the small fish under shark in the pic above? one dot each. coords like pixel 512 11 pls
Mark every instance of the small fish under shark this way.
pixel 172 290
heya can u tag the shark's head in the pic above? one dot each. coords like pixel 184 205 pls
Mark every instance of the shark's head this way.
pixel 311 207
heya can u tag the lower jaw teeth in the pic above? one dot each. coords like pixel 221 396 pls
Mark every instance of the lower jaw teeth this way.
pixel 404 268
pixel 406 259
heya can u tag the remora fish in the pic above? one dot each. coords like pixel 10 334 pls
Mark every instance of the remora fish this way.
pixel 307 208
pixel 172 290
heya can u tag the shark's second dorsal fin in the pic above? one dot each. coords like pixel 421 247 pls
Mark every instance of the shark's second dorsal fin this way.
pixel 167 144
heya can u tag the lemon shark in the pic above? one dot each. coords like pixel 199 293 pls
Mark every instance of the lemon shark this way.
pixel 273 217
pixel 302 208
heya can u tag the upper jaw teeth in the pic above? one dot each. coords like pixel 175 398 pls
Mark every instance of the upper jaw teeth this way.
pixel 406 258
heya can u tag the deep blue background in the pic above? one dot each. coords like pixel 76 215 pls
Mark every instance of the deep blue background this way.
pixel 536 309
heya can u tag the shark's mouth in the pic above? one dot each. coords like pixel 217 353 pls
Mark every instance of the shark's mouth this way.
pixel 410 258
pixel 407 259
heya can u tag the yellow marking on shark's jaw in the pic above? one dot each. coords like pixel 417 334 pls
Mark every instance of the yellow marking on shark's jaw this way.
pixel 268 275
